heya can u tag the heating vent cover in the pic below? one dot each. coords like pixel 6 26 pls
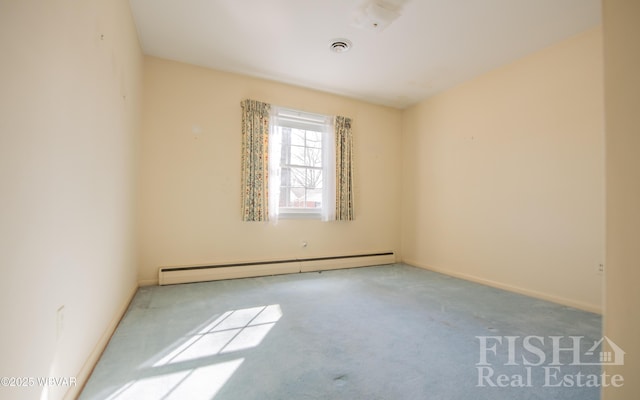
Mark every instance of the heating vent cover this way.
pixel 202 273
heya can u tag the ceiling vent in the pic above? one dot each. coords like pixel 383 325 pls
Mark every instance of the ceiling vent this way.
pixel 340 45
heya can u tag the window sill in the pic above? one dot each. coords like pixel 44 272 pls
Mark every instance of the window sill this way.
pixel 299 215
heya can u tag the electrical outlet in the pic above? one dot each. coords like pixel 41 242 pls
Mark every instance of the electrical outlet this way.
pixel 600 269
pixel 59 322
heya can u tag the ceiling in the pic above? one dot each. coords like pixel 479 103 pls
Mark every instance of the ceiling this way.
pixel 427 46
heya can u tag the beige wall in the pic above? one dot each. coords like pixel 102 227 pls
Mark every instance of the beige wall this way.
pixel 503 176
pixel 621 21
pixel 190 183
pixel 69 108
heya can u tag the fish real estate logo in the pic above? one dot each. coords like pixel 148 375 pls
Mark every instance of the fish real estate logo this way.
pixel 547 361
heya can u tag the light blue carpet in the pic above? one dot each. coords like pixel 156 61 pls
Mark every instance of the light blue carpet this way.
pixel 389 332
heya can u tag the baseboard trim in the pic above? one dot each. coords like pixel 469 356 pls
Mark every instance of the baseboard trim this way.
pixel 251 269
pixel 85 372
pixel 510 288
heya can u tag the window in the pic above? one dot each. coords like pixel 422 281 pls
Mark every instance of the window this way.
pixel 301 169
pixel 301 165
pixel 295 164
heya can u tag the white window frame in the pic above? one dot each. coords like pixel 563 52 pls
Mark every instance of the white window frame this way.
pixel 295 119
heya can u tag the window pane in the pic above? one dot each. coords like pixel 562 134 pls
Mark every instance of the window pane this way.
pixel 314 139
pixel 313 157
pixel 297 177
pixel 297 137
pixel 297 197
pixel 297 155
pixel 314 198
pixel 314 179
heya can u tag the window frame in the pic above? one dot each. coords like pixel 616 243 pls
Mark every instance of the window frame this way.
pixel 295 119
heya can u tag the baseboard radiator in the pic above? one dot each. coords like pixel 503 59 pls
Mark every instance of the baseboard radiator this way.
pixel 203 273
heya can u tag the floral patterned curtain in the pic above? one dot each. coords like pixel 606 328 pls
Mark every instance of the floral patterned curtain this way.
pixel 344 169
pixel 255 160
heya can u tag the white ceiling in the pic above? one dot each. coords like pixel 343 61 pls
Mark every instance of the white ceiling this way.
pixel 431 46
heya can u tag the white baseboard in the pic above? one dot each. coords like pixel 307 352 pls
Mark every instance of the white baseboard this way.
pixel 342 263
pixel 511 288
pixel 188 274
pixel 83 376
pixel 231 272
